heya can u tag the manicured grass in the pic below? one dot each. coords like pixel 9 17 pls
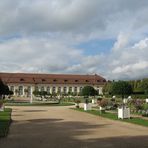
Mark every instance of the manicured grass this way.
pixel 113 116
pixel 5 120
pixel 39 104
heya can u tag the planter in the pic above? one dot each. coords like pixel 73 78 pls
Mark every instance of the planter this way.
pixel 93 101
pixel 125 101
pixel 87 106
pixel 123 112
pixel 102 109
pixel 77 105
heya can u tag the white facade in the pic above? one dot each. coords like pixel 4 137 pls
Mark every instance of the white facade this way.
pixel 25 89
pixel 22 84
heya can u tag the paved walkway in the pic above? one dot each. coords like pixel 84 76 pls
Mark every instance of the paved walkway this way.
pixel 61 127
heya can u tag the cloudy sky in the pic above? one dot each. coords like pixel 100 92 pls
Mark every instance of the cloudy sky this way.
pixel 107 37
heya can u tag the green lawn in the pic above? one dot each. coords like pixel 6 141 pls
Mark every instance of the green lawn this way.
pixel 39 104
pixel 113 116
pixel 5 120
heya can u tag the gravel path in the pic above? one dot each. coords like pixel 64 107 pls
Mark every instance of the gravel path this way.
pixel 61 127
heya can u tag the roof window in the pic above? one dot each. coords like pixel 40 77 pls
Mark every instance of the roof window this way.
pixel 21 79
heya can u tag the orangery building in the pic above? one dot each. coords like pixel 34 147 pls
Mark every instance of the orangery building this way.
pixel 23 84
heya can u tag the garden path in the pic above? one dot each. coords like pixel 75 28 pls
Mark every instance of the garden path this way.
pixel 61 127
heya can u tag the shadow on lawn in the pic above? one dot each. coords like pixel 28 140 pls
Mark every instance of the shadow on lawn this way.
pixel 58 133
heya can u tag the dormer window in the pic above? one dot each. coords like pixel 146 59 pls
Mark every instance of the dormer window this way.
pixel 21 79
pixel 54 80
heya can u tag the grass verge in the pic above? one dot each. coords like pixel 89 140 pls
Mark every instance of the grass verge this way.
pixel 39 104
pixel 5 121
pixel 113 116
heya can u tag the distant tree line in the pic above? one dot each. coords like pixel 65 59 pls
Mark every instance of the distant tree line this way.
pixel 139 87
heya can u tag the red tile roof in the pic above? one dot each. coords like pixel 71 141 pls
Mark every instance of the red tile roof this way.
pixel 29 78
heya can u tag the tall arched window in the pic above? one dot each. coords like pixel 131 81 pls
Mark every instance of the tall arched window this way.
pixel 20 90
pixel 48 89
pixel 65 89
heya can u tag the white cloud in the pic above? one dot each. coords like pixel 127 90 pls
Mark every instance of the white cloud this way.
pixel 121 42
pixel 38 54
pixel 130 62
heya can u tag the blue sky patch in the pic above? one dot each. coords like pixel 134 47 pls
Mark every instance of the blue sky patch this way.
pixel 94 47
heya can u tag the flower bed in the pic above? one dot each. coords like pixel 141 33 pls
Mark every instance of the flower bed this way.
pixel 113 116
pixel 139 106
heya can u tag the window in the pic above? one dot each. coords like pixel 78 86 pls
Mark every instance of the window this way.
pixel 59 89
pixel 43 80
pixel 20 90
pixel 65 89
pixel 86 81
pixel 98 80
pixel 21 79
pixel 75 89
pixel 12 88
pixel 76 80
pixel 53 89
pixel 48 89
pixel 42 88
pixel 36 88
pixel 65 80
pixel 29 90
pixel 70 89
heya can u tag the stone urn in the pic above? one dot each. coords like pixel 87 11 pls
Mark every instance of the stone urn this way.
pixel 93 101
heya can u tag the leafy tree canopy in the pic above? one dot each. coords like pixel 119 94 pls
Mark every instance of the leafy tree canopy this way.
pixel 4 89
pixel 144 85
pixel 107 88
pixel 89 91
pixel 121 88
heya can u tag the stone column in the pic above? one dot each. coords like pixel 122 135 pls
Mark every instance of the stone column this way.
pixel 73 87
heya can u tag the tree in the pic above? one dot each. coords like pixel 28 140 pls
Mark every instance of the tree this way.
pixel 144 86
pixel 11 93
pixel 4 89
pixel 89 91
pixel 107 88
pixel 121 88
pixel 36 92
pixel 43 93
